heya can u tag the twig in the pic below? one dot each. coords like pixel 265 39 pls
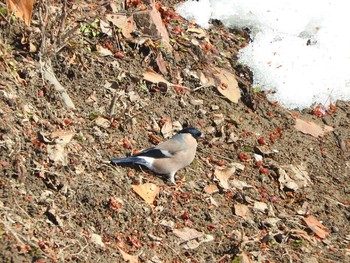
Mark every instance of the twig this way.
pixel 112 106
pixel 50 76
pixel 2 16
pixel 62 24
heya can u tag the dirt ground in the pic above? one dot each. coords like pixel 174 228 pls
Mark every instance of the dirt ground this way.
pixel 259 190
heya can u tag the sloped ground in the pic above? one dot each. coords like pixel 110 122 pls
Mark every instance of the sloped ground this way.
pixel 82 209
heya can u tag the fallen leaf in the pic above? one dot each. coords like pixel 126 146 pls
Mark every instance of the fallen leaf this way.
pixel 243 258
pixel 167 129
pixel 97 240
pixel 309 127
pixel 102 122
pixel 242 211
pixel 197 102
pixel 211 188
pixel 187 234
pixel 223 175
pixel 104 52
pixel 126 24
pixel 320 230
pixel 161 64
pixel 62 137
pixel 22 8
pixel 32 48
pixel 198 32
pixel 57 154
pixel 205 81
pixel 152 76
pixel 298 173
pixel 105 28
pixel 167 223
pixel 133 96
pixel 240 184
pixel 129 258
pixel 92 98
pixel 177 126
pixel 213 201
pixel 192 238
pixel 286 181
pixel 271 221
pixel 218 118
pixel 261 206
pixel 228 85
pixel 293 177
pixel 147 192
pixel 298 233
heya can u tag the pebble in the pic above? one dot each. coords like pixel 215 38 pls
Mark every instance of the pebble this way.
pixel 215 107
pixel 335 229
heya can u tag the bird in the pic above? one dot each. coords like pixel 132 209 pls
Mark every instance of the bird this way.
pixel 169 156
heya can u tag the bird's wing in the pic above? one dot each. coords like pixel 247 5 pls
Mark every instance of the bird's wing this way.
pixel 165 149
pixel 154 153
pixel 174 145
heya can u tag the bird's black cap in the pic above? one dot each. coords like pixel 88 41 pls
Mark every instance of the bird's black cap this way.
pixel 194 132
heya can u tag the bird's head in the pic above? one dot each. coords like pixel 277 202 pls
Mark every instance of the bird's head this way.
pixel 194 132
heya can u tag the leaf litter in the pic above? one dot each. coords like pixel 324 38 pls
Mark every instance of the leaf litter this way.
pixel 149 81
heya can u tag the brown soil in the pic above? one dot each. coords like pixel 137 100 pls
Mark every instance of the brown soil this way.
pixel 85 210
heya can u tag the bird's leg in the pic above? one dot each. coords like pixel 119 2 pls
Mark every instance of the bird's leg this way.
pixel 172 178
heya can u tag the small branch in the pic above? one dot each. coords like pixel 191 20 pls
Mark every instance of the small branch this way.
pixel 49 75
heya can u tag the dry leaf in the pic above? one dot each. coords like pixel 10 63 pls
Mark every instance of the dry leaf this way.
pixel 148 191
pixel 104 52
pixel 161 64
pixel 210 189
pixel 243 211
pixel 129 258
pixel 223 175
pixel 105 28
pixel 126 24
pixel 243 258
pixel 198 32
pixel 102 122
pixel 302 234
pixel 167 129
pixel 57 153
pixel 309 127
pixel 97 240
pixel 206 81
pixel 293 177
pixel 192 238
pixel 62 137
pixel 240 184
pixel 32 48
pixel 152 76
pixel 168 224
pixel 320 230
pixel 261 206
pixel 187 234
pixel 23 9
pixel 218 118
pixel 213 201
pixel 286 181
pixel 228 85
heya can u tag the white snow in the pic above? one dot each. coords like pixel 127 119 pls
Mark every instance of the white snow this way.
pixel 300 49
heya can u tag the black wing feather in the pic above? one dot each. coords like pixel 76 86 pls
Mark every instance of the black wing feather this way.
pixel 152 152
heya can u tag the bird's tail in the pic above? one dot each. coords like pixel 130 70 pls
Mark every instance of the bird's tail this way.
pixel 127 160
